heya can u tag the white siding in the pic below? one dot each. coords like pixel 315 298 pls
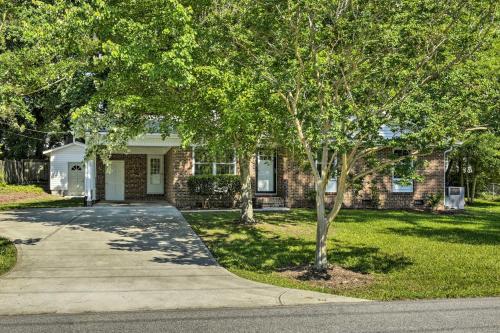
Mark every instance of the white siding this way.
pixel 59 166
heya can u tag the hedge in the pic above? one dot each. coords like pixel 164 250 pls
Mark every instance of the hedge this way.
pixel 212 187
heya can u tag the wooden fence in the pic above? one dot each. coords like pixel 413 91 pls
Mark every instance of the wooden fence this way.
pixel 24 172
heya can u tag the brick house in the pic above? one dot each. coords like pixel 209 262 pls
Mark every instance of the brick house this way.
pixel 153 168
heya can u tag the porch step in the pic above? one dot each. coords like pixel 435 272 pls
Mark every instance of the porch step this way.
pixel 267 202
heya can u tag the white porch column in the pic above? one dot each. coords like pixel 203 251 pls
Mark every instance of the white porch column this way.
pixel 90 181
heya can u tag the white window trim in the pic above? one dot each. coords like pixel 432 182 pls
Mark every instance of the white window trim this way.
pixel 214 164
pixel 401 188
pixel 332 179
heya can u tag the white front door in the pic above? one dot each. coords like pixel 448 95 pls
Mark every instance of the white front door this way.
pixel 155 174
pixel 266 176
pixel 76 178
pixel 115 181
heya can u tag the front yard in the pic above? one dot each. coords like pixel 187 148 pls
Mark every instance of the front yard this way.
pixel 31 196
pixel 403 255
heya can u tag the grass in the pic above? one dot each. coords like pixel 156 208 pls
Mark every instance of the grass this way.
pixel 7 255
pixel 411 255
pixel 32 196
pixel 8 189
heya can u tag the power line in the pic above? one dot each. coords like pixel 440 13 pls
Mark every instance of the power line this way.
pixel 37 131
pixel 25 136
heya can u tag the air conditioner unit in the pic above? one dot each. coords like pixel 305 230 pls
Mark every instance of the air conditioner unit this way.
pixel 455 197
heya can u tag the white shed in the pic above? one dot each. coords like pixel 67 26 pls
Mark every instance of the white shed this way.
pixel 67 169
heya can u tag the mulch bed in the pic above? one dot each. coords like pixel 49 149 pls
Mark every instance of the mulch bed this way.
pixel 335 277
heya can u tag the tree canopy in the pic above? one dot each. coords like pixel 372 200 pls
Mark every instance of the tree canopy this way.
pixel 143 61
pixel 351 78
pixel 346 69
pixel 42 70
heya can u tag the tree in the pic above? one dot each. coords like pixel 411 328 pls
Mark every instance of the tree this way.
pixel 345 69
pixel 41 77
pixel 225 108
pixel 143 61
pixel 104 64
pixel 199 86
pixel 480 154
pixel 474 163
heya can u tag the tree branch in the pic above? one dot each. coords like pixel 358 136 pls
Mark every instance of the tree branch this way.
pixel 384 165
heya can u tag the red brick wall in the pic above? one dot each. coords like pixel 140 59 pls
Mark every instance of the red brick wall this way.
pixel 294 181
pixel 179 168
pixel 179 164
pixel 299 180
pixel 135 177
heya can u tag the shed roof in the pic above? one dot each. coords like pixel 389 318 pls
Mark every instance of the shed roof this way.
pixel 50 151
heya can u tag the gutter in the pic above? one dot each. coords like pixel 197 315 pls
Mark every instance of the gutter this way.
pixel 444 174
pixel 459 143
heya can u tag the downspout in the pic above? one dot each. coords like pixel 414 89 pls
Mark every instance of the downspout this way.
pixel 444 174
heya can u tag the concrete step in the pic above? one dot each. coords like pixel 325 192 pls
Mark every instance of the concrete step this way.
pixel 271 201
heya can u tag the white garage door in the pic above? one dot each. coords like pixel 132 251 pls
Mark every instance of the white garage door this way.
pixel 76 178
pixel 115 181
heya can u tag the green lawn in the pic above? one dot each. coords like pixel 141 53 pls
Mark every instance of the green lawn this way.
pixel 410 255
pixel 7 255
pixel 8 189
pixel 31 196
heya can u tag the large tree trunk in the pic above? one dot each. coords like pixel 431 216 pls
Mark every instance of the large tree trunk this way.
pixel 467 182
pixel 324 220
pixel 448 171
pixel 461 170
pixel 321 258
pixel 247 216
pixel 473 191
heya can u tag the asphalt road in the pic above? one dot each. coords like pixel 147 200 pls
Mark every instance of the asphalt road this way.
pixel 459 315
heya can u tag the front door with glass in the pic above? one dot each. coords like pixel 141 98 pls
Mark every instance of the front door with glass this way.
pixel 266 172
pixel 155 175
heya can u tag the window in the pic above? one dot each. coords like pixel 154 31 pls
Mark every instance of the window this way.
pixel 206 164
pixel 76 168
pixel 331 186
pixel 154 170
pixel 399 183
pixel 155 166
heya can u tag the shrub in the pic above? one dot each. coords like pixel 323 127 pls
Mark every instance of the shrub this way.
pixel 218 187
pixel 434 199
pixel 490 197
pixel 374 194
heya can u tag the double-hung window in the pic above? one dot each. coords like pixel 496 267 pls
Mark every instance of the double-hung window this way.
pixel 208 164
pixel 331 186
pixel 399 183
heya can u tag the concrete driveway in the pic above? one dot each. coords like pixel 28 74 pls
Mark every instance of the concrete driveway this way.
pixel 122 258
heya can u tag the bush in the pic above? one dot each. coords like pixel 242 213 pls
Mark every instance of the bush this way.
pixel 434 199
pixel 490 197
pixel 214 187
pixel 310 195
